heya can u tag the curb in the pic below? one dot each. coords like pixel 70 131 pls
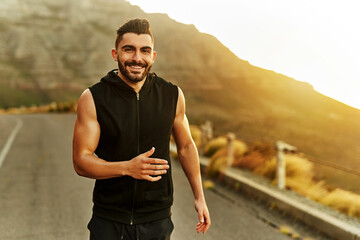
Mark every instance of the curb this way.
pixel 319 220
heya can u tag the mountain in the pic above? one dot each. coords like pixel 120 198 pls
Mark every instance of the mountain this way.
pixel 52 50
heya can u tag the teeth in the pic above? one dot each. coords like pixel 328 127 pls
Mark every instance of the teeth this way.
pixel 136 67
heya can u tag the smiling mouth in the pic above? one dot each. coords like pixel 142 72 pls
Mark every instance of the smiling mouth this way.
pixel 136 67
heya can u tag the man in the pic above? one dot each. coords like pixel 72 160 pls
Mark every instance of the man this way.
pixel 121 139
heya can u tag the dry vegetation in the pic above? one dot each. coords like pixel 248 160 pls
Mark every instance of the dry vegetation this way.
pixel 46 108
pixel 300 176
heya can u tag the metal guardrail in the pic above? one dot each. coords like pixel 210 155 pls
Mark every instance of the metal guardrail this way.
pixel 313 217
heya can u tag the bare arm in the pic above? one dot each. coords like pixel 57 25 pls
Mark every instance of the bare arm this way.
pixel 85 140
pixel 189 160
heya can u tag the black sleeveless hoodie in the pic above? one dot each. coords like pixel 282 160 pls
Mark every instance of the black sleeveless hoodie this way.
pixel 131 124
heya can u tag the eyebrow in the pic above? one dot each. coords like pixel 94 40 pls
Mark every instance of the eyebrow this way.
pixel 146 47
pixel 127 46
pixel 133 47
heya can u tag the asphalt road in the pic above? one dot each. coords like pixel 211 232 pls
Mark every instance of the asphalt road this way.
pixel 42 198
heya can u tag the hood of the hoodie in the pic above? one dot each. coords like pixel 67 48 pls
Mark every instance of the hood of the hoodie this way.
pixel 113 79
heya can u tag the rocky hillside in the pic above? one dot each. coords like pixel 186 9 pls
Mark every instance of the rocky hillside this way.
pixel 49 46
pixel 51 50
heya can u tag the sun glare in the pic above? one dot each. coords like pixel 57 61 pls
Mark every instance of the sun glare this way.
pixel 320 47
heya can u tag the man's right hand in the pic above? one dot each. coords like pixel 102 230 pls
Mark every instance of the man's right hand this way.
pixel 146 168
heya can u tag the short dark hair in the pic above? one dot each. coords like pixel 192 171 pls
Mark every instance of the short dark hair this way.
pixel 138 26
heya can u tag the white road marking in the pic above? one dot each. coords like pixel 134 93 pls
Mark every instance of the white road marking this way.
pixel 10 140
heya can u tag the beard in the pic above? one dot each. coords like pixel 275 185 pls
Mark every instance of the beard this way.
pixel 130 76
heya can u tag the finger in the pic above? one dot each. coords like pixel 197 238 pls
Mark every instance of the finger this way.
pixel 149 153
pixel 155 161
pixel 155 167
pixel 202 227
pixel 206 227
pixel 154 173
pixel 199 226
pixel 207 221
pixel 152 179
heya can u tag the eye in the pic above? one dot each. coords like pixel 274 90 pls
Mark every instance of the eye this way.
pixel 127 49
pixel 146 50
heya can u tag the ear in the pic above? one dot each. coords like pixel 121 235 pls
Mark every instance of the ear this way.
pixel 154 56
pixel 114 54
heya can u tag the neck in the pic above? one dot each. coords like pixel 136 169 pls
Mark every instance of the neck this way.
pixel 135 85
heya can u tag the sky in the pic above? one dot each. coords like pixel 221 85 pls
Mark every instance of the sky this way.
pixel 316 41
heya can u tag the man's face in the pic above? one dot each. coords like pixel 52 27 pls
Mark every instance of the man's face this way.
pixel 135 56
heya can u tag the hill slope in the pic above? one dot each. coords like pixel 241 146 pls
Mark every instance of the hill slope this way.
pixel 52 50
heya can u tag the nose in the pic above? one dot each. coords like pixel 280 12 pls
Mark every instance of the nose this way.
pixel 136 57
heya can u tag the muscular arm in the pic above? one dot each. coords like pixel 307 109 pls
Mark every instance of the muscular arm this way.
pixel 85 140
pixel 189 160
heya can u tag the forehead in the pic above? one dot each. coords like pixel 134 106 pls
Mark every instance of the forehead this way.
pixel 136 40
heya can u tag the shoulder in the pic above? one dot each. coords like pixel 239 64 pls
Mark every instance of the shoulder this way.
pixel 99 91
pixel 97 86
pixel 86 103
pixel 181 97
pixel 167 85
pixel 86 95
pixel 160 80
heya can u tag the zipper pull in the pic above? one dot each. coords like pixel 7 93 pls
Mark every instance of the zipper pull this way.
pixel 138 96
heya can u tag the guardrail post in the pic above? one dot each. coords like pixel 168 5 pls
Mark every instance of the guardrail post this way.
pixel 281 164
pixel 206 135
pixel 230 149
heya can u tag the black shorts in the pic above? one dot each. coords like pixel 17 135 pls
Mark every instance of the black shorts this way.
pixel 103 229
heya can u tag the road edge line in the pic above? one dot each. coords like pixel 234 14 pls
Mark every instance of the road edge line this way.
pixel 10 141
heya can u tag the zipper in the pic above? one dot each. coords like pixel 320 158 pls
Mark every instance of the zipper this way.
pixel 138 152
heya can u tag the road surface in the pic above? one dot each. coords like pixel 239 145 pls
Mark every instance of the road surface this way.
pixel 42 198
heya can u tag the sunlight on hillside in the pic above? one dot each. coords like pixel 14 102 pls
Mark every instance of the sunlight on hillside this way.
pixel 317 49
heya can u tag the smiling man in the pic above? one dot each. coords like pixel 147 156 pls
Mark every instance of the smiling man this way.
pixel 121 139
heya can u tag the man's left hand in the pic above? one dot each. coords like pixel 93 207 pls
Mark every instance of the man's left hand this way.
pixel 204 216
